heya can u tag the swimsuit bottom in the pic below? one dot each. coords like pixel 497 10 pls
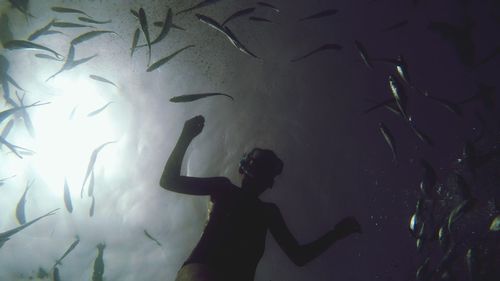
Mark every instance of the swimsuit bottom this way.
pixel 195 272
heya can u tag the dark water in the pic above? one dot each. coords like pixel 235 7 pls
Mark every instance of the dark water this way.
pixel 310 112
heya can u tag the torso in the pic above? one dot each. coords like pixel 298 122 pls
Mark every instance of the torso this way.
pixel 234 238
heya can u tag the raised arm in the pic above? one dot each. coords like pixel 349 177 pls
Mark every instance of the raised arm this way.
pixel 171 178
pixel 302 254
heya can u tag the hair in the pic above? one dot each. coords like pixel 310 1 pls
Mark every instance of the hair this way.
pixel 261 163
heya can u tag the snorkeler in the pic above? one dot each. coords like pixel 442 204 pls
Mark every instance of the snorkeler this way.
pixel 233 240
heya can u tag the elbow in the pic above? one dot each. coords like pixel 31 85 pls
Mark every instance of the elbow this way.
pixel 168 182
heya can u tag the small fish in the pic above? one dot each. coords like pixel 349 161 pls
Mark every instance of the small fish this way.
pixel 101 79
pixel 134 13
pixel 71 248
pixel 67 197
pixel 6 130
pixel 398 93
pixel 17 150
pixel 22 6
pixel 52 32
pixel 26 116
pixel 423 273
pixel 92 207
pixel 166 59
pixel 444 238
pixel 5 236
pixel 397 25
pixel 20 215
pixel 193 97
pixel 4 179
pixel 202 4
pixel 62 24
pixel 70 62
pixel 363 54
pixel 160 24
pixel 227 32
pixel 459 211
pixel 322 48
pixel 72 114
pixel 428 181
pixel 41 31
pixel 473 266
pixel 267 5
pixel 98 273
pixel 144 26
pixel 89 35
pixel 166 27
pixel 93 159
pixel 260 19
pixel 495 224
pixel 389 104
pixel 55 274
pixel 237 14
pixel 49 57
pixel 421 135
pixel 151 237
pixel 6 113
pixel 84 19
pixel 449 105
pixel 135 39
pixel 21 44
pixel 42 273
pixel 90 192
pixel 325 13
pixel 389 139
pixel 69 11
pixel 99 110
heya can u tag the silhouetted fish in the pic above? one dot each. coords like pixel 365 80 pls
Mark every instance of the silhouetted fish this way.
pixel 70 248
pixel 237 14
pixel 449 105
pixel 67 197
pixel 6 130
pixel 55 274
pixel 90 191
pixel 167 24
pixel 98 273
pixel 49 57
pixel 495 224
pixel 20 214
pixel 322 48
pixel 325 13
pixel 166 59
pixel 26 117
pixel 197 6
pixel 135 39
pixel 27 45
pixel 160 24
pixel 259 19
pixel 459 211
pixel 389 139
pixel 151 237
pixel 70 62
pixel 144 26
pixel 6 113
pixel 41 31
pixel 93 159
pixel 2 180
pixel 5 236
pixel 99 110
pixel 264 4
pixel 399 95
pixel 62 24
pixel 363 53
pixel 89 35
pixel 101 79
pixel 84 19
pixel 92 207
pixel 193 97
pixel 68 11
pixel 22 6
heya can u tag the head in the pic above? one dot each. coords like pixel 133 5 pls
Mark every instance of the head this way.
pixel 259 167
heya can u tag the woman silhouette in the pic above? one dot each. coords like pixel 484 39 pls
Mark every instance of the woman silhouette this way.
pixel 233 239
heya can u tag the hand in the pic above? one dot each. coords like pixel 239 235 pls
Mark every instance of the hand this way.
pixel 193 126
pixel 346 227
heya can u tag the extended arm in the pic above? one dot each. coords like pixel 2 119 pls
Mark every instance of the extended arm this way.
pixel 302 254
pixel 171 178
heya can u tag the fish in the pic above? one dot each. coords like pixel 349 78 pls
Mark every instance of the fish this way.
pixel 17 150
pixel 144 26
pixel 160 24
pixel 135 39
pixel 423 273
pixel 84 19
pixel 5 236
pixel 201 4
pixel 99 110
pixel 166 59
pixel 259 19
pixel 67 197
pixel 134 13
pixel 444 238
pixel 166 27
pixel 62 24
pixel 52 32
pixel 91 164
pixel 6 130
pixel 101 79
pixel 70 248
pixel 485 94
pixel 389 139
pixel 151 237
pixel 495 224
pixel 27 45
pixel 90 191
pixel 42 273
pixel 70 62
pixel 325 13
pixel 2 180
pixel 227 32
pixel 397 25
pixel 98 273
pixel 41 31
pixel 22 6
pixel 449 105
pixel 460 37
pixel 428 180
pixel 20 215
pixel 72 114
pixel 267 5
pixel 398 94
pixel 363 54
pixel 421 135
pixel 238 14
pixel 322 48
pixel 472 260
pixel 26 117
pixel 89 35
pixel 459 211
pixel 193 97
pixel 389 104
pixel 55 274
pixel 69 11
pixel 5 31
pixel 7 113
pixel 49 57
pixel 92 207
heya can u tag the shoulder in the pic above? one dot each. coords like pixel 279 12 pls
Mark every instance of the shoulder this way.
pixel 224 189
